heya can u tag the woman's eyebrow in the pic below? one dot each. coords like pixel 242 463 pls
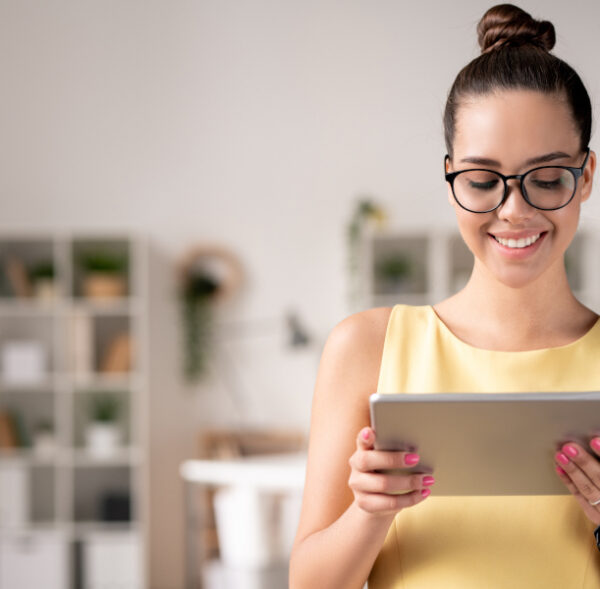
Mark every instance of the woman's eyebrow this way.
pixel 542 159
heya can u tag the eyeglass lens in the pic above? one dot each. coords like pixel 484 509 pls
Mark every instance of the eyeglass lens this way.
pixel 545 188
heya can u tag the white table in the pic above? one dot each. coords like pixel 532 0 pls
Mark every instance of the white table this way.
pixel 275 473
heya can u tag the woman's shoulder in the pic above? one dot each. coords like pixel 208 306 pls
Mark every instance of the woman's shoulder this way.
pixel 370 324
pixel 360 335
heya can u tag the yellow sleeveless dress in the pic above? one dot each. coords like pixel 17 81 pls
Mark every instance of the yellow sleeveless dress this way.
pixel 485 542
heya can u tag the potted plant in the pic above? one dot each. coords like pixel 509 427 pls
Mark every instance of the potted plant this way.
pixel 104 274
pixel 42 277
pixel 394 271
pixel 103 433
pixel 44 440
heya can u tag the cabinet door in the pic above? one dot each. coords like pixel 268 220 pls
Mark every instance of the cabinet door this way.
pixel 33 560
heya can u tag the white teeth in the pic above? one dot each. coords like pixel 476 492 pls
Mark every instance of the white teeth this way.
pixel 518 243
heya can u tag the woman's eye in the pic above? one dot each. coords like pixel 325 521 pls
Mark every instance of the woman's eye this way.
pixel 489 185
pixel 548 184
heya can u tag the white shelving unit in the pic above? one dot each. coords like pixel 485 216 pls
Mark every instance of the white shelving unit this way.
pixel 434 263
pixel 65 506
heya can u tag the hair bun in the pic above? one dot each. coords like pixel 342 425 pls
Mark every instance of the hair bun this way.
pixel 508 25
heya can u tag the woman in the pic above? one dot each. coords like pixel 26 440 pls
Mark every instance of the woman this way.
pixel 521 118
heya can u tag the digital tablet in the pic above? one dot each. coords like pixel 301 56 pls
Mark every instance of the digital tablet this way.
pixel 486 444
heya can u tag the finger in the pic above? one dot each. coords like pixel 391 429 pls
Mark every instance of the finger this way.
pixel 579 477
pixel 381 460
pixel 587 463
pixel 390 484
pixel 590 511
pixel 595 446
pixel 383 503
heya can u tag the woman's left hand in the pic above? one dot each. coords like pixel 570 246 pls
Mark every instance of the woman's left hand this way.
pixel 579 469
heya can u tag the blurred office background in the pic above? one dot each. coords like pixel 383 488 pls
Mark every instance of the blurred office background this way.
pixel 225 135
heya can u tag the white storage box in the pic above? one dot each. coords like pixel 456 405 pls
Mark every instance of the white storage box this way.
pixel 14 495
pixel 23 362
pixel 33 559
pixel 112 560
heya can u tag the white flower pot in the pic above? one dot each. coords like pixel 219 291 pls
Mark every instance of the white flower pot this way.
pixel 103 440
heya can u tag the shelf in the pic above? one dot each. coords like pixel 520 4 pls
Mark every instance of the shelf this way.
pixel 118 306
pixel 129 456
pixel 74 334
pixel 27 457
pixel 24 307
pixel 109 382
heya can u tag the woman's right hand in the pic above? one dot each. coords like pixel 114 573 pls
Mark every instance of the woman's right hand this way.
pixel 384 493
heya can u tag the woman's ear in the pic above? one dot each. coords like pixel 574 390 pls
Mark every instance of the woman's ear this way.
pixel 588 177
pixel 447 168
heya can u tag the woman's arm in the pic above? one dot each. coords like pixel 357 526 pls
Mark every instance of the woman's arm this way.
pixel 347 507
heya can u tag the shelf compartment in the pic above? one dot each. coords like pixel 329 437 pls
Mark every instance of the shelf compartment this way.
pixel 399 265
pixel 89 259
pixel 28 413
pixel 29 269
pixel 102 494
pixel 87 404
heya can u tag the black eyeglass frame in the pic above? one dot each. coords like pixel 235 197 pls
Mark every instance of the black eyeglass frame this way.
pixel 577 173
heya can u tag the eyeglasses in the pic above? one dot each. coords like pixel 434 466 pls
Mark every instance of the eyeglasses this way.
pixel 547 188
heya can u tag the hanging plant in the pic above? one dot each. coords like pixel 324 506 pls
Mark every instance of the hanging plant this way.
pixel 365 212
pixel 207 274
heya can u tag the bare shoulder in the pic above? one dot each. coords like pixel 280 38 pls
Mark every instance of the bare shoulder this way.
pixel 354 348
pixel 360 335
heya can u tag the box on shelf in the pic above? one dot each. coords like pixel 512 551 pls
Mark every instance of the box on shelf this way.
pixel 23 362
pixel 34 559
pixel 14 495
pixel 111 559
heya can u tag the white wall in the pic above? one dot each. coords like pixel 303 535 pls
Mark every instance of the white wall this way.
pixel 252 123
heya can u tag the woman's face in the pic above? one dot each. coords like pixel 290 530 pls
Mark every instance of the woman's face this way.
pixel 511 132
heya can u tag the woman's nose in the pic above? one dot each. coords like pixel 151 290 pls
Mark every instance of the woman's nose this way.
pixel 515 208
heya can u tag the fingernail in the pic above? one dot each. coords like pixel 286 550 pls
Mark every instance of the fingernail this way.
pixel 425 492
pixel 428 481
pixel 559 470
pixel 562 458
pixel 570 450
pixel 595 444
pixel 366 434
pixel 411 459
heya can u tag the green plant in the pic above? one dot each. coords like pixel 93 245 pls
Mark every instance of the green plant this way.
pixel 104 407
pixel 394 267
pixel 104 261
pixel 44 426
pixel 42 270
pixel 196 295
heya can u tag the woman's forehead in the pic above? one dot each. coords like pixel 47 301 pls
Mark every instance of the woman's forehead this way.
pixel 514 125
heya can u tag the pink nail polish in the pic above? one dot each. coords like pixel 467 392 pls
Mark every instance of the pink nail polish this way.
pixel 365 434
pixel 562 458
pixel 428 481
pixel 411 459
pixel 595 444
pixel 425 492
pixel 570 450
pixel 559 470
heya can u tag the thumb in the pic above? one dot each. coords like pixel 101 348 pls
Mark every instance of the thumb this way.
pixel 365 439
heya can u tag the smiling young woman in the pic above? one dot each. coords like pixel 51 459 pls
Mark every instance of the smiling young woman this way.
pixel 518 166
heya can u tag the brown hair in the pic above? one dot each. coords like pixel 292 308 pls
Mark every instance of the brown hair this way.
pixel 515 55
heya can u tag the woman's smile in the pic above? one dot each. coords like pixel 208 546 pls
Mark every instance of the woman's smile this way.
pixel 518 247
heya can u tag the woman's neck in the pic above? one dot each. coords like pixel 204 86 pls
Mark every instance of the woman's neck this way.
pixel 493 315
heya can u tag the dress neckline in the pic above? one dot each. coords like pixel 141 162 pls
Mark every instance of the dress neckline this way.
pixel 450 334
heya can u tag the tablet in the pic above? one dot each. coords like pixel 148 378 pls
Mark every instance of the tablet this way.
pixel 484 443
